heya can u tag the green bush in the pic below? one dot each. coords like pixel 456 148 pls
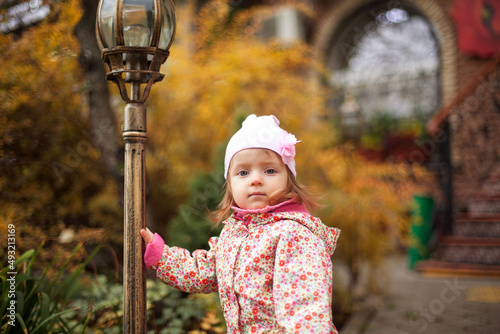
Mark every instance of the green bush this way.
pixel 41 304
pixel 169 310
pixel 64 300
pixel 191 228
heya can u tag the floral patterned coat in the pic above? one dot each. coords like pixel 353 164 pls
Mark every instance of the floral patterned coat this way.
pixel 272 268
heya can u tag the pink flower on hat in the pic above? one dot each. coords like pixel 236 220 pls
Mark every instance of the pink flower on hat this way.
pixel 287 148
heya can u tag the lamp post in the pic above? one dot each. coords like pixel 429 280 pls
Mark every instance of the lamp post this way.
pixel 135 37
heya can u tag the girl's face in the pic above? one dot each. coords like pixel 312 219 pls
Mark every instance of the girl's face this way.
pixel 255 175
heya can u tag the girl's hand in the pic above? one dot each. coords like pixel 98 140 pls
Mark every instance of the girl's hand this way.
pixel 147 235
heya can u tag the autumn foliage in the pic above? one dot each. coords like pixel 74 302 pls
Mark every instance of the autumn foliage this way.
pixel 219 71
pixel 51 176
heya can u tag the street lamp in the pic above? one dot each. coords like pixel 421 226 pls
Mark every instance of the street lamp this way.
pixel 135 37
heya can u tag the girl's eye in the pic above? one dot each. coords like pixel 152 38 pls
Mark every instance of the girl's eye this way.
pixel 270 171
pixel 242 173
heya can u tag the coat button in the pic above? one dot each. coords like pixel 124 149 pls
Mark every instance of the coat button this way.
pixel 232 297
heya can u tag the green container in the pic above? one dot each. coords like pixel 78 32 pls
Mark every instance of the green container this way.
pixel 422 211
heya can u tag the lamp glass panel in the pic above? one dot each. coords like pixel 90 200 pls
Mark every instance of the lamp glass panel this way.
pixel 168 24
pixel 108 23
pixel 138 21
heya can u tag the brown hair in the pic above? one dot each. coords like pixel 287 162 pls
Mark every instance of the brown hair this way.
pixel 293 190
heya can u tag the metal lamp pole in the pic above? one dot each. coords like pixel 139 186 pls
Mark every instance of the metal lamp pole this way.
pixel 135 36
pixel 134 276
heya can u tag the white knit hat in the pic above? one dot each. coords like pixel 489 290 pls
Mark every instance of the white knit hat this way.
pixel 262 132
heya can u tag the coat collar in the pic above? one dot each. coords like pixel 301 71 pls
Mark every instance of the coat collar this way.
pixel 289 210
pixel 286 206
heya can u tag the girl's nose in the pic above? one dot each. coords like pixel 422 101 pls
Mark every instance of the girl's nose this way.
pixel 255 180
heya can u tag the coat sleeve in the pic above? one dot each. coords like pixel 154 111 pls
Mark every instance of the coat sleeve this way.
pixel 302 289
pixel 192 273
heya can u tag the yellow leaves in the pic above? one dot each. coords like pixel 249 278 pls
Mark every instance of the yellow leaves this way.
pixel 368 201
pixel 215 75
pixel 212 20
pixel 42 125
pixel 35 67
pixel 210 323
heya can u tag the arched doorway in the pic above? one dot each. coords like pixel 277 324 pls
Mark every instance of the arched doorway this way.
pixel 337 25
pixel 397 58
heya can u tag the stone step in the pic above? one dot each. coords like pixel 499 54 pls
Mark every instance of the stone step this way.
pixel 487 206
pixel 440 268
pixel 491 188
pixel 482 226
pixel 458 249
pixel 495 171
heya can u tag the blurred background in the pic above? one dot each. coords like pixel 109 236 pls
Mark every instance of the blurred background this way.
pixel 396 104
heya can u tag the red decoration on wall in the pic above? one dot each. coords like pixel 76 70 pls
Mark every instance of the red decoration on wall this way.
pixel 478 26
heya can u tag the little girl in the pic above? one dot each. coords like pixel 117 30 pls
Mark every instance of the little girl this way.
pixel 272 262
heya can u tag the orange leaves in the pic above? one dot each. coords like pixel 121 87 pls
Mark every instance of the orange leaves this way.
pixel 369 202
pixel 37 65
pixel 218 72
pixel 52 175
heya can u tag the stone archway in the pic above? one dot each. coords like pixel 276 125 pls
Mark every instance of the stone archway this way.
pixel 433 11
